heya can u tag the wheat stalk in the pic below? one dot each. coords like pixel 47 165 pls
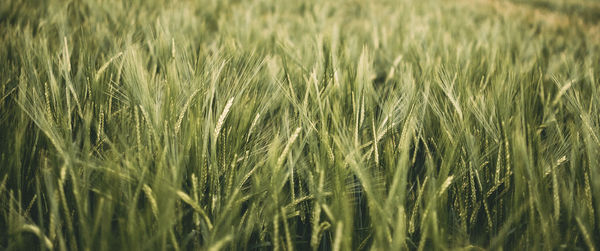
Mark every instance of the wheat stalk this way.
pixel 222 118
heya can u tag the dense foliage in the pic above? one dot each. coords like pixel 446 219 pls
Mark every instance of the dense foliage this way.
pixel 324 125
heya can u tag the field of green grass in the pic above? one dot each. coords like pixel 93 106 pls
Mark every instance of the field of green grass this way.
pixel 299 125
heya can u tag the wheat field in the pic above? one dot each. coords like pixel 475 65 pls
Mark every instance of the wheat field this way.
pixel 299 125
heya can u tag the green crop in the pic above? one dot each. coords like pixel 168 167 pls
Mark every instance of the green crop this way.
pixel 299 125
